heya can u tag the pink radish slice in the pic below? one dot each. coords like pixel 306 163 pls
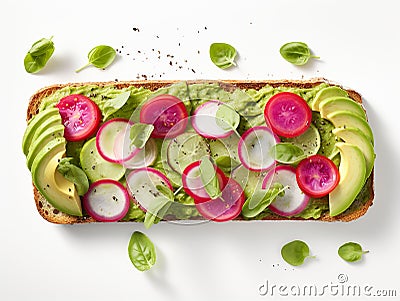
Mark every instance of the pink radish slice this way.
pixel 142 184
pixel 145 157
pixel 111 142
pixel 204 121
pixel 255 146
pixel 192 183
pixel 294 201
pixel 226 207
pixel 106 200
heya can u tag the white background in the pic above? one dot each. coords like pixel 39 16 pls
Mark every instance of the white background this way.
pixel 358 42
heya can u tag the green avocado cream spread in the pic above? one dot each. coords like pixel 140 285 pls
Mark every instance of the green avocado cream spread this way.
pixel 247 111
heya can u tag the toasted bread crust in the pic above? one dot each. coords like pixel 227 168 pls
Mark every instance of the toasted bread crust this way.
pixel 49 213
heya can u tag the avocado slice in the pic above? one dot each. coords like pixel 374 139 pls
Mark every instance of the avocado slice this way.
pixel 356 137
pixel 33 124
pixel 326 93
pixel 346 119
pixel 334 104
pixel 58 191
pixel 55 132
pixel 46 124
pixel 352 170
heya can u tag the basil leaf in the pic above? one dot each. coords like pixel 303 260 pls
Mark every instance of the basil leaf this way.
pixel 38 56
pixel 159 207
pixel 261 199
pixel 226 163
pixel 296 53
pixel 287 153
pixel 295 252
pixel 351 252
pixel 209 178
pixel 227 118
pixel 74 174
pixel 141 251
pixel 100 56
pixel 140 134
pixel 112 105
pixel 222 55
pixel 168 193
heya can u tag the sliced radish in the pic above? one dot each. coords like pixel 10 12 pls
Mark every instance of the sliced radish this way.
pixel 106 200
pixel 255 148
pixel 111 141
pixel 145 157
pixel 142 183
pixel 204 121
pixel 294 201
pixel 226 207
pixel 287 114
pixel 192 183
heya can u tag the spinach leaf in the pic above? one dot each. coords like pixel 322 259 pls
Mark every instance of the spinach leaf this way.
pixel 287 153
pixel 74 174
pixel 39 54
pixel 100 56
pixel 141 251
pixel 209 178
pixel 351 251
pixel 222 55
pixel 140 134
pixel 295 252
pixel 261 199
pixel 112 105
pixel 296 53
pixel 227 118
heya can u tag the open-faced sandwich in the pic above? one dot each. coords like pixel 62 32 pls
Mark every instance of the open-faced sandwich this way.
pixel 147 151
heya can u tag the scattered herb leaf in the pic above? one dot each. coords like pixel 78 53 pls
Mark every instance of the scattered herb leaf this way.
pixel 351 251
pixel 39 54
pixel 209 178
pixel 141 251
pixel 222 55
pixel 100 56
pixel 112 105
pixel 295 252
pixel 296 53
pixel 227 118
pixel 74 174
pixel 288 153
pixel 159 207
pixel 140 134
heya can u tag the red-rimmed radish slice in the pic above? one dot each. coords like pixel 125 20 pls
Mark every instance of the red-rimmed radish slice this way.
pixel 255 148
pixel 106 200
pixel 294 201
pixel 225 208
pixel 145 157
pixel 142 184
pixel 112 142
pixel 167 113
pixel 192 183
pixel 80 116
pixel 204 121
pixel 287 114
pixel 317 176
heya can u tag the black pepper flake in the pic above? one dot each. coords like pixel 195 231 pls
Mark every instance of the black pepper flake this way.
pixel 135 29
pixel 193 71
pixel 205 27
pixel 170 63
pixel 157 37
pixel 93 167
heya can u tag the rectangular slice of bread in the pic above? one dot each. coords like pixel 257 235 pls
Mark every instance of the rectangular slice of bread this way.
pixel 49 213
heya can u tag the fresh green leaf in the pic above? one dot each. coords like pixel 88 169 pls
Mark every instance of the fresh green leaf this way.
pixel 227 118
pixel 209 178
pixel 351 251
pixel 38 56
pixel 100 56
pixel 168 193
pixel 140 134
pixel 261 199
pixel 74 174
pixel 296 53
pixel 159 207
pixel 222 55
pixel 295 252
pixel 287 153
pixel 141 251
pixel 112 105
pixel 226 163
